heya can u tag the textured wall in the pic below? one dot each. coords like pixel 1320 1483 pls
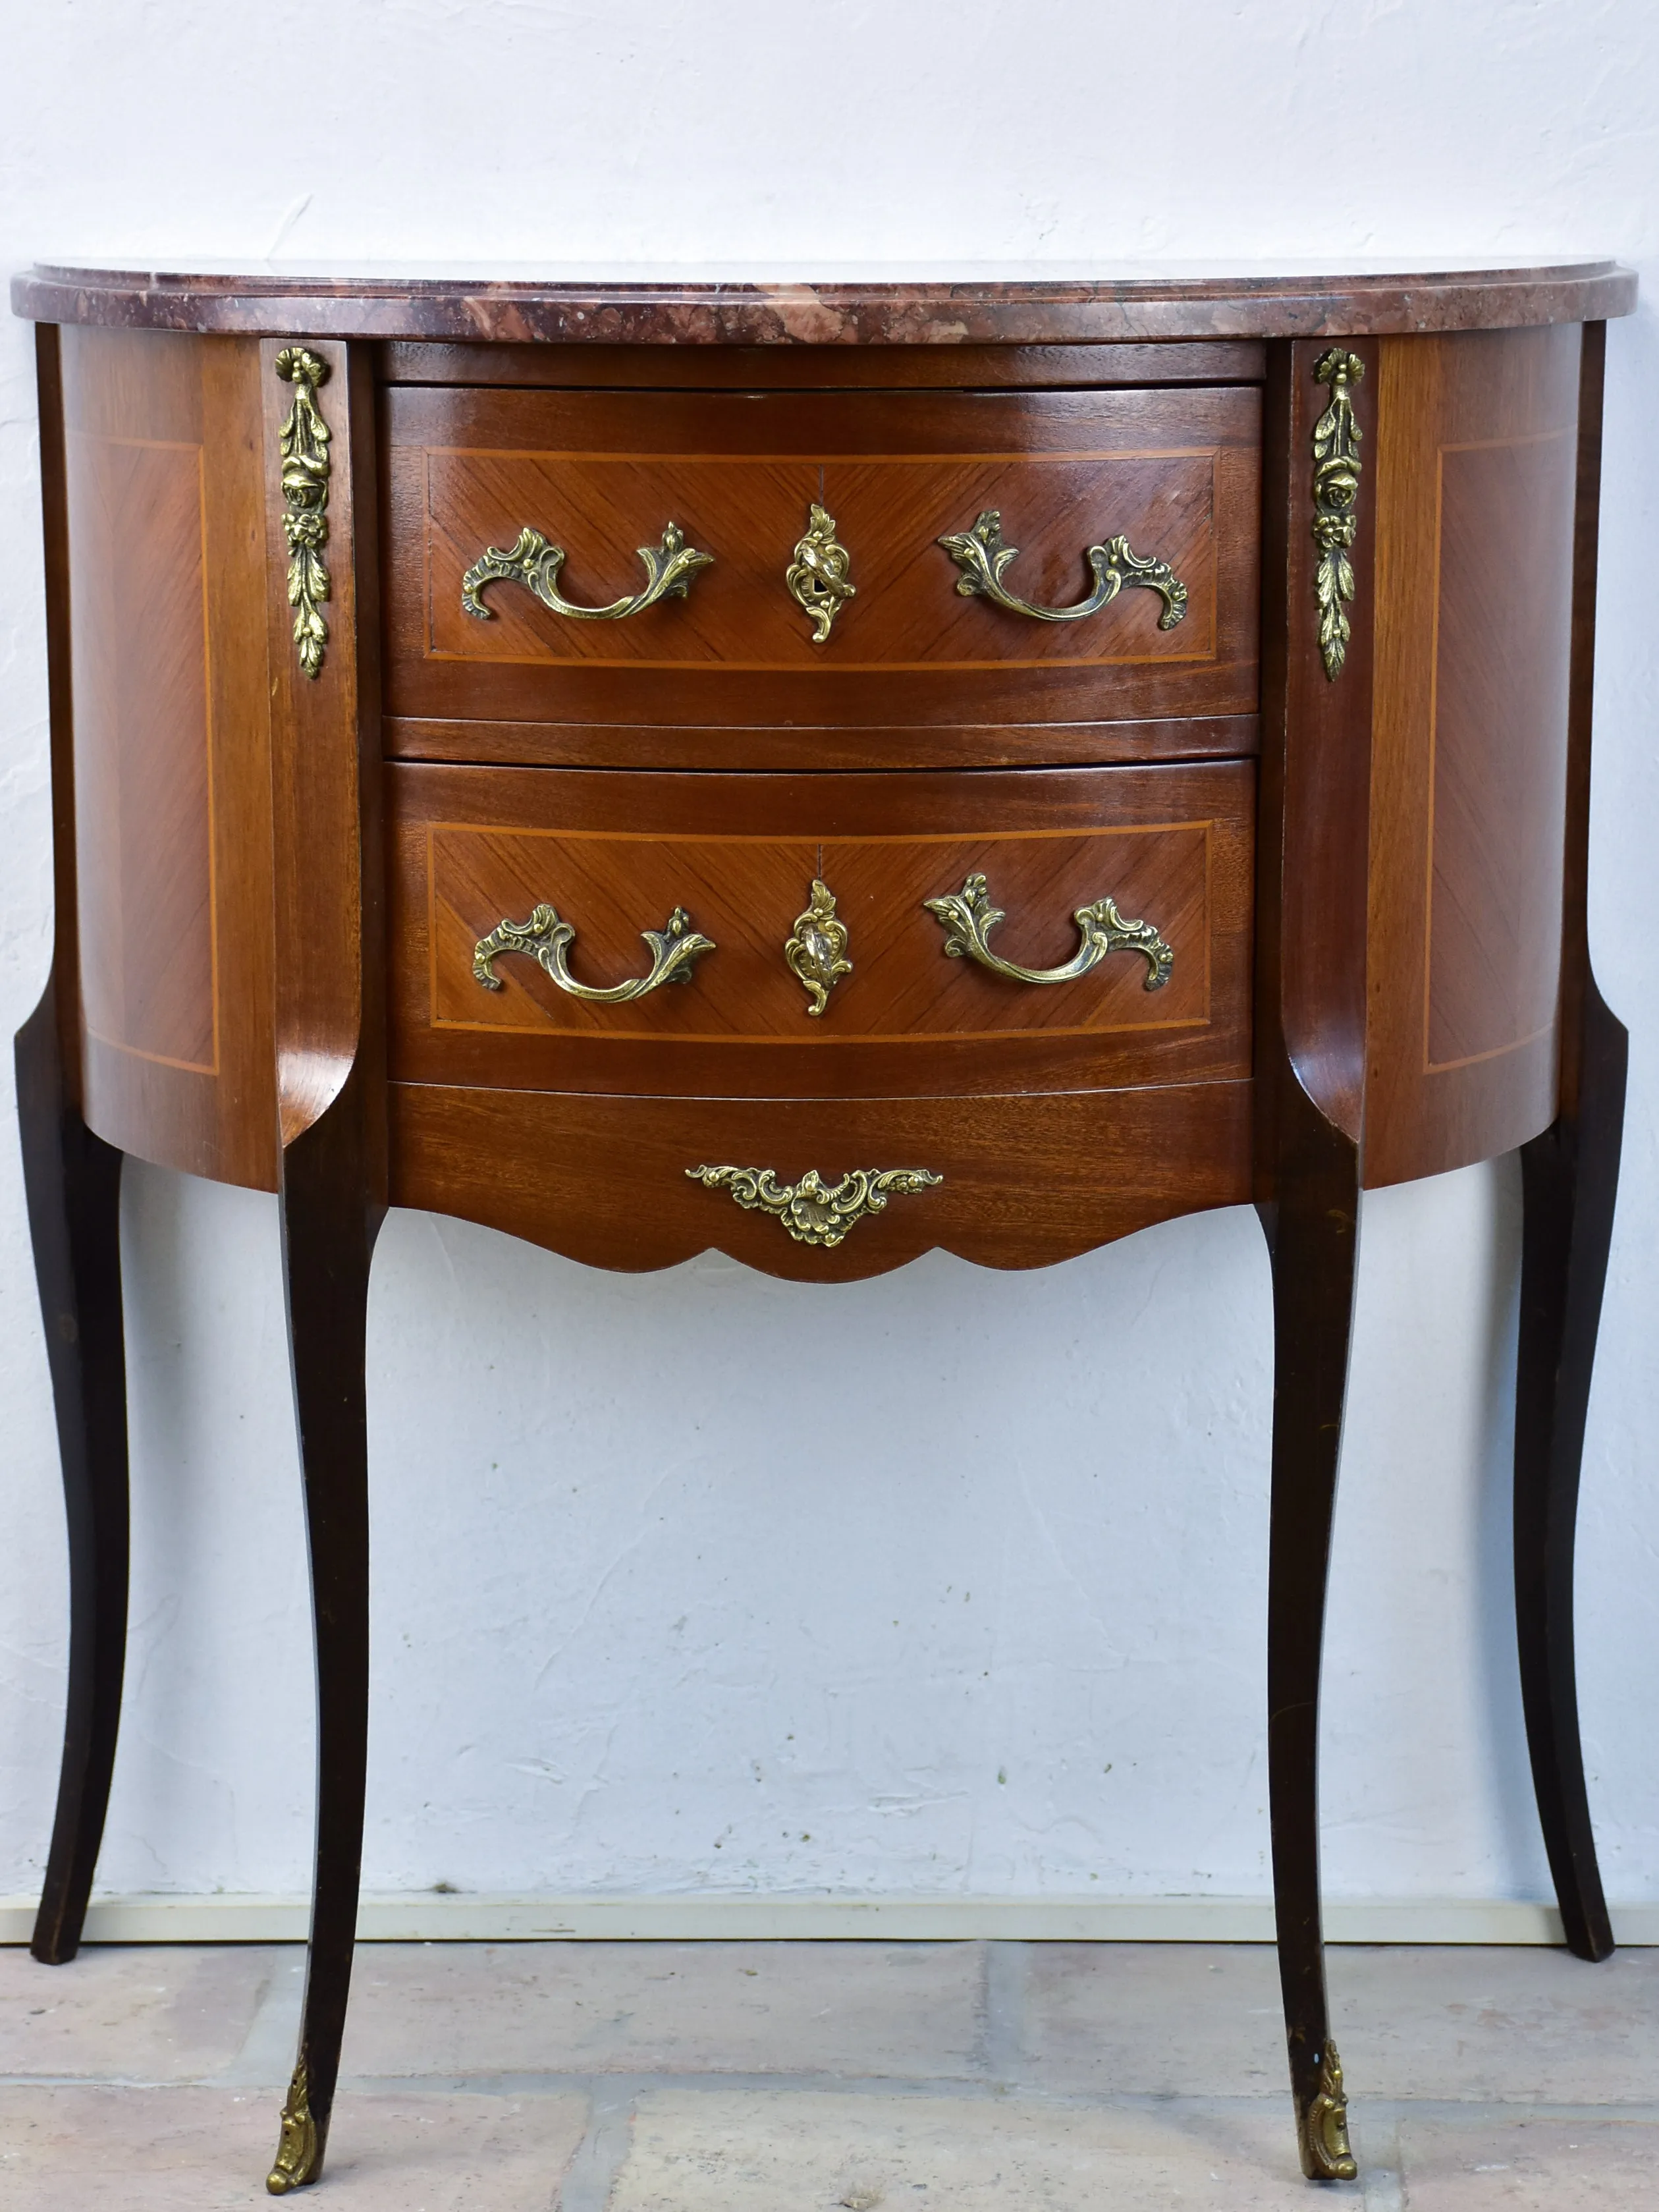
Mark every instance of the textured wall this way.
pixel 949 1581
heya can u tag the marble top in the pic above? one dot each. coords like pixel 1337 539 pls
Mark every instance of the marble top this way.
pixel 997 304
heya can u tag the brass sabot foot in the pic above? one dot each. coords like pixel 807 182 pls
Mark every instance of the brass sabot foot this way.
pixel 299 2154
pixel 1322 2129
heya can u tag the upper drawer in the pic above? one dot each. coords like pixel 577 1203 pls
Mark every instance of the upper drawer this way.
pixel 957 934
pixel 1174 473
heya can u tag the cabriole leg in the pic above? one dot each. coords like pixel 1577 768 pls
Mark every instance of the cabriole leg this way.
pixel 1570 1180
pixel 328 1228
pixel 1312 1233
pixel 72 1182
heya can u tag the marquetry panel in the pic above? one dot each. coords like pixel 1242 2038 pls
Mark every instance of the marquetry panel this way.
pixel 1476 462
pixel 171 759
pixel 1500 720
pixel 472 848
pixel 145 844
pixel 1176 471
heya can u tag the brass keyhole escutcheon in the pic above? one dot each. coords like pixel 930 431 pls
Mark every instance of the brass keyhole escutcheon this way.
pixel 816 950
pixel 818 574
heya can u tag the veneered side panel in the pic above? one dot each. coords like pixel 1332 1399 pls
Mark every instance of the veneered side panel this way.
pixel 171 764
pixel 1475 487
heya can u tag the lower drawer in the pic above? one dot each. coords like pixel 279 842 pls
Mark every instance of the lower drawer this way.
pixel 820 935
pixel 1006 1182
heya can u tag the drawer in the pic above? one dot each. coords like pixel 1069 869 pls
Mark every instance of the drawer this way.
pixel 1005 1182
pixel 509 886
pixel 929 635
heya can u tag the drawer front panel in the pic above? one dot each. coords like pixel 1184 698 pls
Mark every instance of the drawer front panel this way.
pixel 1018 1182
pixel 1175 473
pixel 614 856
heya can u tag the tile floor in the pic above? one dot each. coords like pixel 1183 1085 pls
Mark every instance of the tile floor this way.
pixel 829 2077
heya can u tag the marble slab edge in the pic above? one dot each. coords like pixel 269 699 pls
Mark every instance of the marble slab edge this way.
pixel 1030 313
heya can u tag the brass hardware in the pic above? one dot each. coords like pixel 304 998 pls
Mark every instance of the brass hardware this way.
pixel 969 917
pixel 534 563
pixel 296 2148
pixel 1322 2131
pixel 1336 494
pixel 675 950
pixel 303 442
pixel 817 574
pixel 817 950
pixel 813 1211
pixel 982 556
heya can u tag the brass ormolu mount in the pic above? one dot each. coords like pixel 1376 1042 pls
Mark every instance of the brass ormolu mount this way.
pixel 303 443
pixel 813 1211
pixel 1323 2130
pixel 299 2151
pixel 1336 498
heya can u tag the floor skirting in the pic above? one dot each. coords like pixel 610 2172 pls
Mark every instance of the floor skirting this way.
pixel 429 1915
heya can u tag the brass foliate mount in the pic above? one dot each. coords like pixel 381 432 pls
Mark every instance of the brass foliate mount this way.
pixel 668 569
pixel 675 950
pixel 983 555
pixel 969 918
pixel 817 952
pixel 303 442
pixel 298 2149
pixel 1335 495
pixel 813 1211
pixel 1323 2130
pixel 817 574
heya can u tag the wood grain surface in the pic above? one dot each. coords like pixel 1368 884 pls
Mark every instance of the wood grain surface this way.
pixel 600 474
pixel 1027 1181
pixel 172 749
pixel 826 369
pixel 616 854
pixel 327 836
pixel 823 745
pixel 1315 776
pixel 1476 449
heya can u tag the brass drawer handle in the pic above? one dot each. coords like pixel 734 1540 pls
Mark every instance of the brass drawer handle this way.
pixel 982 556
pixel 969 917
pixel 675 950
pixel 534 563
pixel 813 1211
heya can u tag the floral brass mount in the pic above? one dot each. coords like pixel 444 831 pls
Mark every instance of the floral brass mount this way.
pixel 817 950
pixel 303 443
pixel 813 1211
pixel 982 556
pixel 534 563
pixel 675 950
pixel 298 2151
pixel 1323 2130
pixel 1336 494
pixel 817 574
pixel 969 917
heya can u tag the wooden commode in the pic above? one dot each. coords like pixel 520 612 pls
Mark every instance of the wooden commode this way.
pixel 824 772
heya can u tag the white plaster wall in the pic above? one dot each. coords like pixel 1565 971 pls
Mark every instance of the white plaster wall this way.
pixel 950 1582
